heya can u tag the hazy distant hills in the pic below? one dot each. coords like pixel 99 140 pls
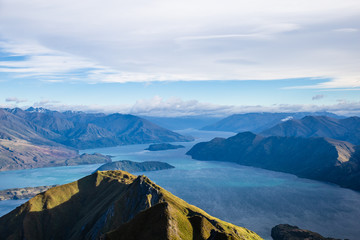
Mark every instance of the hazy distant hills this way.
pixel 316 158
pixel 40 137
pixel 257 122
pixel 347 129
pixel 114 205
pixel 186 122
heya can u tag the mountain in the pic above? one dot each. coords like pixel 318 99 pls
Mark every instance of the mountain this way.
pixel 81 130
pixel 257 122
pixel 38 137
pixel 130 166
pixel 315 158
pixel 288 232
pixel 347 129
pixel 163 146
pixel 114 205
pixel 180 123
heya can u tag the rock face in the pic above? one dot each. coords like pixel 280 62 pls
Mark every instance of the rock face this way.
pixel 287 232
pixel 22 193
pixel 347 129
pixel 114 205
pixel 257 122
pixel 315 158
pixel 130 166
pixel 163 146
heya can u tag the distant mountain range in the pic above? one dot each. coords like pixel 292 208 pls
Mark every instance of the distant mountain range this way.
pixel 83 130
pixel 315 158
pixel 38 137
pixel 180 123
pixel 257 122
pixel 347 129
pixel 114 205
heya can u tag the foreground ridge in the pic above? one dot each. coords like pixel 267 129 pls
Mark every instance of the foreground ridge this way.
pixel 114 205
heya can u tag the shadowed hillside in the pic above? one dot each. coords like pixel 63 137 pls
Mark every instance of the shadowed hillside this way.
pixel 316 158
pixel 114 205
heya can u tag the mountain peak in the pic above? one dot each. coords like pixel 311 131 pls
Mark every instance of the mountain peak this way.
pixel 114 205
pixel 38 110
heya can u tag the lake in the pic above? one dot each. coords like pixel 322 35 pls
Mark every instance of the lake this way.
pixel 253 198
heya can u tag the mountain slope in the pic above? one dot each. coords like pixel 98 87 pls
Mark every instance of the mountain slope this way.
pixel 315 158
pixel 113 205
pixel 347 129
pixel 257 122
pixel 81 130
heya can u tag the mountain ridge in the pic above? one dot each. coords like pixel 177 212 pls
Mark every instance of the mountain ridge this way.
pixel 347 129
pixel 100 205
pixel 259 121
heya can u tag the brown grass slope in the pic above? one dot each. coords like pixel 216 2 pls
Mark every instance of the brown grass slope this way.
pixel 113 205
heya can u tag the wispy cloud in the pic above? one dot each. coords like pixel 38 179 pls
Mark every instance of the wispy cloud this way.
pixel 15 99
pixel 346 30
pixel 160 40
pixel 318 97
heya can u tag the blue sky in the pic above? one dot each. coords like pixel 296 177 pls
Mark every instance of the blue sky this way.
pixel 181 58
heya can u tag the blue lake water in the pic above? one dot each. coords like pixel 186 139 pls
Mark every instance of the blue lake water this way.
pixel 254 198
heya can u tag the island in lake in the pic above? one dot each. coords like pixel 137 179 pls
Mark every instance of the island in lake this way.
pixel 130 166
pixel 163 146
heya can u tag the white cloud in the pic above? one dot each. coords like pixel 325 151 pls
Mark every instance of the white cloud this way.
pixel 124 41
pixel 176 107
pixel 346 30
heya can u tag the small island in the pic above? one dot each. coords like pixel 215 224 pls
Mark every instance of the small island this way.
pixel 130 166
pixel 163 146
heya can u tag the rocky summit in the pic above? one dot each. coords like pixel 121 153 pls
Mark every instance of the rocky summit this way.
pixel 114 205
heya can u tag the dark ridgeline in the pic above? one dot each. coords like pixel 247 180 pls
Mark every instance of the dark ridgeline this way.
pixel 114 205
pixel 315 158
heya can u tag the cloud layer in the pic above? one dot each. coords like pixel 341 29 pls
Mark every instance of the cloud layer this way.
pixel 139 41
pixel 176 107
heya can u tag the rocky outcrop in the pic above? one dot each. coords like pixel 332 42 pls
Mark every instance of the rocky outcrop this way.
pixel 315 158
pixel 288 232
pixel 130 166
pixel 114 205
pixel 163 146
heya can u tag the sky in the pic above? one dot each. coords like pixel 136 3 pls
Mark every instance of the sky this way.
pixel 180 58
